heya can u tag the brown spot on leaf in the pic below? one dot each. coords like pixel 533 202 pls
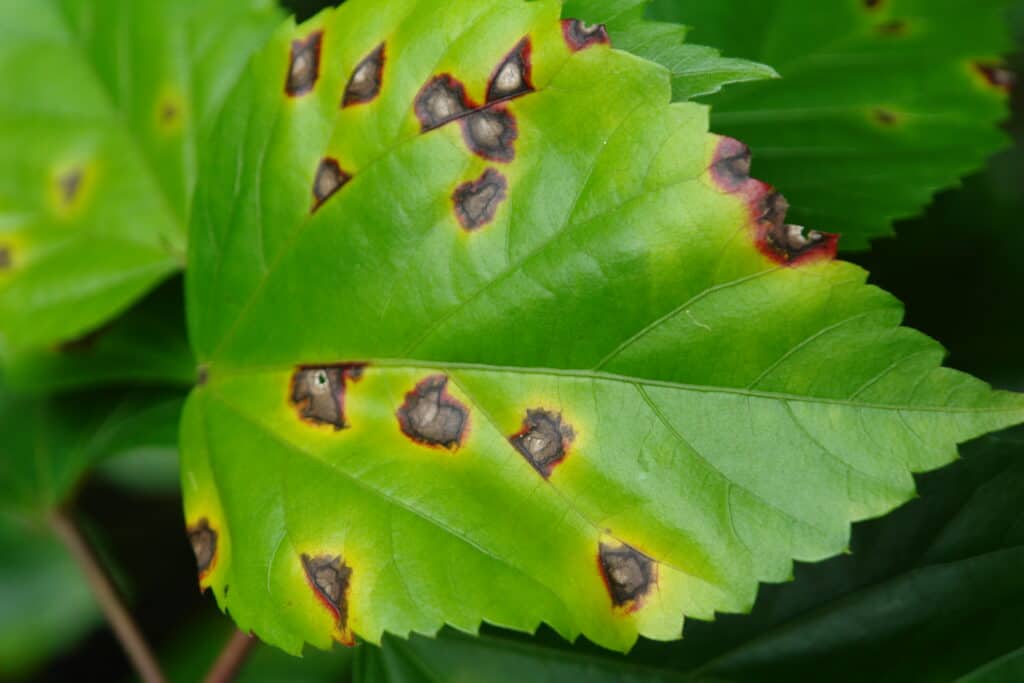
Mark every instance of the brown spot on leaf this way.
pixel 490 133
pixel 6 260
pixel 70 183
pixel 169 113
pixel 330 579
pixel 579 35
pixel 514 76
pixel 544 440
pixel 202 375
pixel 477 201
pixel 431 416
pixel 329 179
pixel 892 28
pixel 997 75
pixel 319 392
pixel 731 165
pixel 366 80
pixel 203 540
pixel 787 244
pixel 628 574
pixel 441 100
pixel 304 65
pixel 886 117
pixel 873 4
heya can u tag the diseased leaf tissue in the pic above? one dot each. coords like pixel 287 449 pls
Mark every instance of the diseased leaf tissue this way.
pixel 537 349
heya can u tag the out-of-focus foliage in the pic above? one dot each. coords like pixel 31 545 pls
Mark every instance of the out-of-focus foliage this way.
pixel 880 104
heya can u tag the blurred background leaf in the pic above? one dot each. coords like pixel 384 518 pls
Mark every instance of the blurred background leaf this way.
pixel 45 605
pixel 696 69
pixel 102 113
pixel 145 345
pixel 49 444
pixel 881 103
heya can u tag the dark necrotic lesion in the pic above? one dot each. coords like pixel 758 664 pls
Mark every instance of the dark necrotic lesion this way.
pixel 70 182
pixel 788 241
pixel 490 133
pixel 628 573
pixel 319 393
pixel 330 178
pixel 731 167
pixel 431 416
pixel 513 76
pixel 304 65
pixel 579 35
pixel 441 100
pixel 6 258
pixel 544 440
pixel 477 201
pixel 997 75
pixel 793 241
pixel 203 540
pixel 330 577
pixel 367 79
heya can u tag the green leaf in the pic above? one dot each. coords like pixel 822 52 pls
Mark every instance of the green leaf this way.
pixel 51 442
pixel 696 70
pixel 102 114
pixel 938 583
pixel 880 105
pixel 145 345
pixel 583 375
pixel 45 604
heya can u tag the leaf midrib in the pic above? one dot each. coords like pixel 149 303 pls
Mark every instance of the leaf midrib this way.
pixel 406 363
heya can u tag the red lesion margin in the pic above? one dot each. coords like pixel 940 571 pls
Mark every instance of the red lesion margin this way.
pixel 350 372
pixel 342 632
pixel 730 172
pixel 632 606
pixel 446 399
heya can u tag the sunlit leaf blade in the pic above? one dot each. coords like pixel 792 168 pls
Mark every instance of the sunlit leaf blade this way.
pixel 50 443
pixel 584 374
pixel 957 551
pixel 880 104
pixel 102 112
pixel 938 581
pixel 696 69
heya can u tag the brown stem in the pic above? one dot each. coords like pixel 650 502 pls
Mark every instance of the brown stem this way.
pixel 121 622
pixel 231 658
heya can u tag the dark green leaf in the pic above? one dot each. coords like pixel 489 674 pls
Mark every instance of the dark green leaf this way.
pixel 880 103
pixel 146 345
pixel 696 70
pixel 50 443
